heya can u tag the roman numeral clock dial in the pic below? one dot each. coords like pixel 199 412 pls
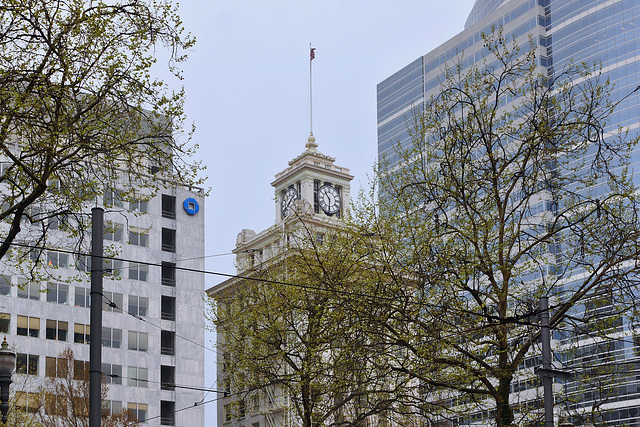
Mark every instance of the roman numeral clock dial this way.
pixel 329 199
pixel 289 196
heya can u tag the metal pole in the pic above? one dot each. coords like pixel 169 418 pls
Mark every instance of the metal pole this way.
pixel 312 55
pixel 95 349
pixel 5 382
pixel 547 380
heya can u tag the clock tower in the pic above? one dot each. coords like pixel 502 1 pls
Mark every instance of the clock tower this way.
pixel 312 185
pixel 312 191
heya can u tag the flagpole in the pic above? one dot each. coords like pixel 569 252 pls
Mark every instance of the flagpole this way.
pixel 312 55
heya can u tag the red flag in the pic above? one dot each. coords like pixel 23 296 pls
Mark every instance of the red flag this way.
pixel 313 53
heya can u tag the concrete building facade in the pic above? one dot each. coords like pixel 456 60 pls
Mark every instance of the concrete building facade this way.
pixel 153 310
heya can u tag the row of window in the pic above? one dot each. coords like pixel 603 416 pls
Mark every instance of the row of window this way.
pixel 59 331
pixel 113 197
pixel 112 301
pixel 58 405
pixel 111 337
pixel 139 236
pixel 138 377
pixel 58 368
pixel 239 410
pixel 59 292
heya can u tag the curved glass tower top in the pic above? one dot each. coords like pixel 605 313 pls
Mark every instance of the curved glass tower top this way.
pixel 482 8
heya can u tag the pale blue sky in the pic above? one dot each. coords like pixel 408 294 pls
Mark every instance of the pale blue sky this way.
pixel 247 83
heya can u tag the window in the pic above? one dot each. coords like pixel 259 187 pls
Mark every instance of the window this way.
pixel 226 361
pixel 138 341
pixel 5 166
pixel 255 403
pixel 83 263
pixel 316 205
pixel 139 236
pixel 56 330
pixel 28 326
pixel 53 223
pixel 138 411
pixel 167 377
pixel 81 370
pixel 255 424
pixel 111 337
pixel 27 401
pixel 58 222
pixel 110 407
pixel 168 342
pixel 114 231
pixel 83 297
pixel 137 377
pixel 27 364
pixel 57 293
pixel 138 271
pixel 56 367
pixel 228 412
pixel 139 204
pixel 112 297
pixel 35 254
pixel 55 404
pixel 241 409
pixel 168 308
pixel 28 290
pixel 168 273
pixel 113 197
pixel 5 320
pixel 81 333
pixel 138 305
pixel 80 408
pixel 167 413
pixel 168 206
pixel 112 373
pixel 5 285
pixel 113 267
pixel 168 239
pixel 57 259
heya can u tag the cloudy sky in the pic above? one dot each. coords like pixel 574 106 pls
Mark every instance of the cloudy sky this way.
pixel 247 84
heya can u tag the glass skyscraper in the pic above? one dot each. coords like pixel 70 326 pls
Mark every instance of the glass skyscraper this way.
pixel 604 34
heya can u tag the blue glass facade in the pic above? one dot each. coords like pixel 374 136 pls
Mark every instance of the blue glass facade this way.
pixel 403 93
pixel 604 33
pixel 597 32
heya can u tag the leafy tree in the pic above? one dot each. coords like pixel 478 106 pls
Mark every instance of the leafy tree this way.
pixel 22 404
pixel 81 114
pixel 62 399
pixel 513 188
pixel 65 397
pixel 289 337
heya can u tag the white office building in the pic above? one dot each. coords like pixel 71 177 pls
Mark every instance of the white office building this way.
pixel 153 320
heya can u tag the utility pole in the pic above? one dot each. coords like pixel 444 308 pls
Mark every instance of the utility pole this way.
pixel 547 373
pixel 95 349
pixel 547 380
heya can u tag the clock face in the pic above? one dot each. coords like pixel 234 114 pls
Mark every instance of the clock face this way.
pixel 329 199
pixel 288 197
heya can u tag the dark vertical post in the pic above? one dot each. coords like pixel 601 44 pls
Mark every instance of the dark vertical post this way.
pixel 547 380
pixel 95 349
